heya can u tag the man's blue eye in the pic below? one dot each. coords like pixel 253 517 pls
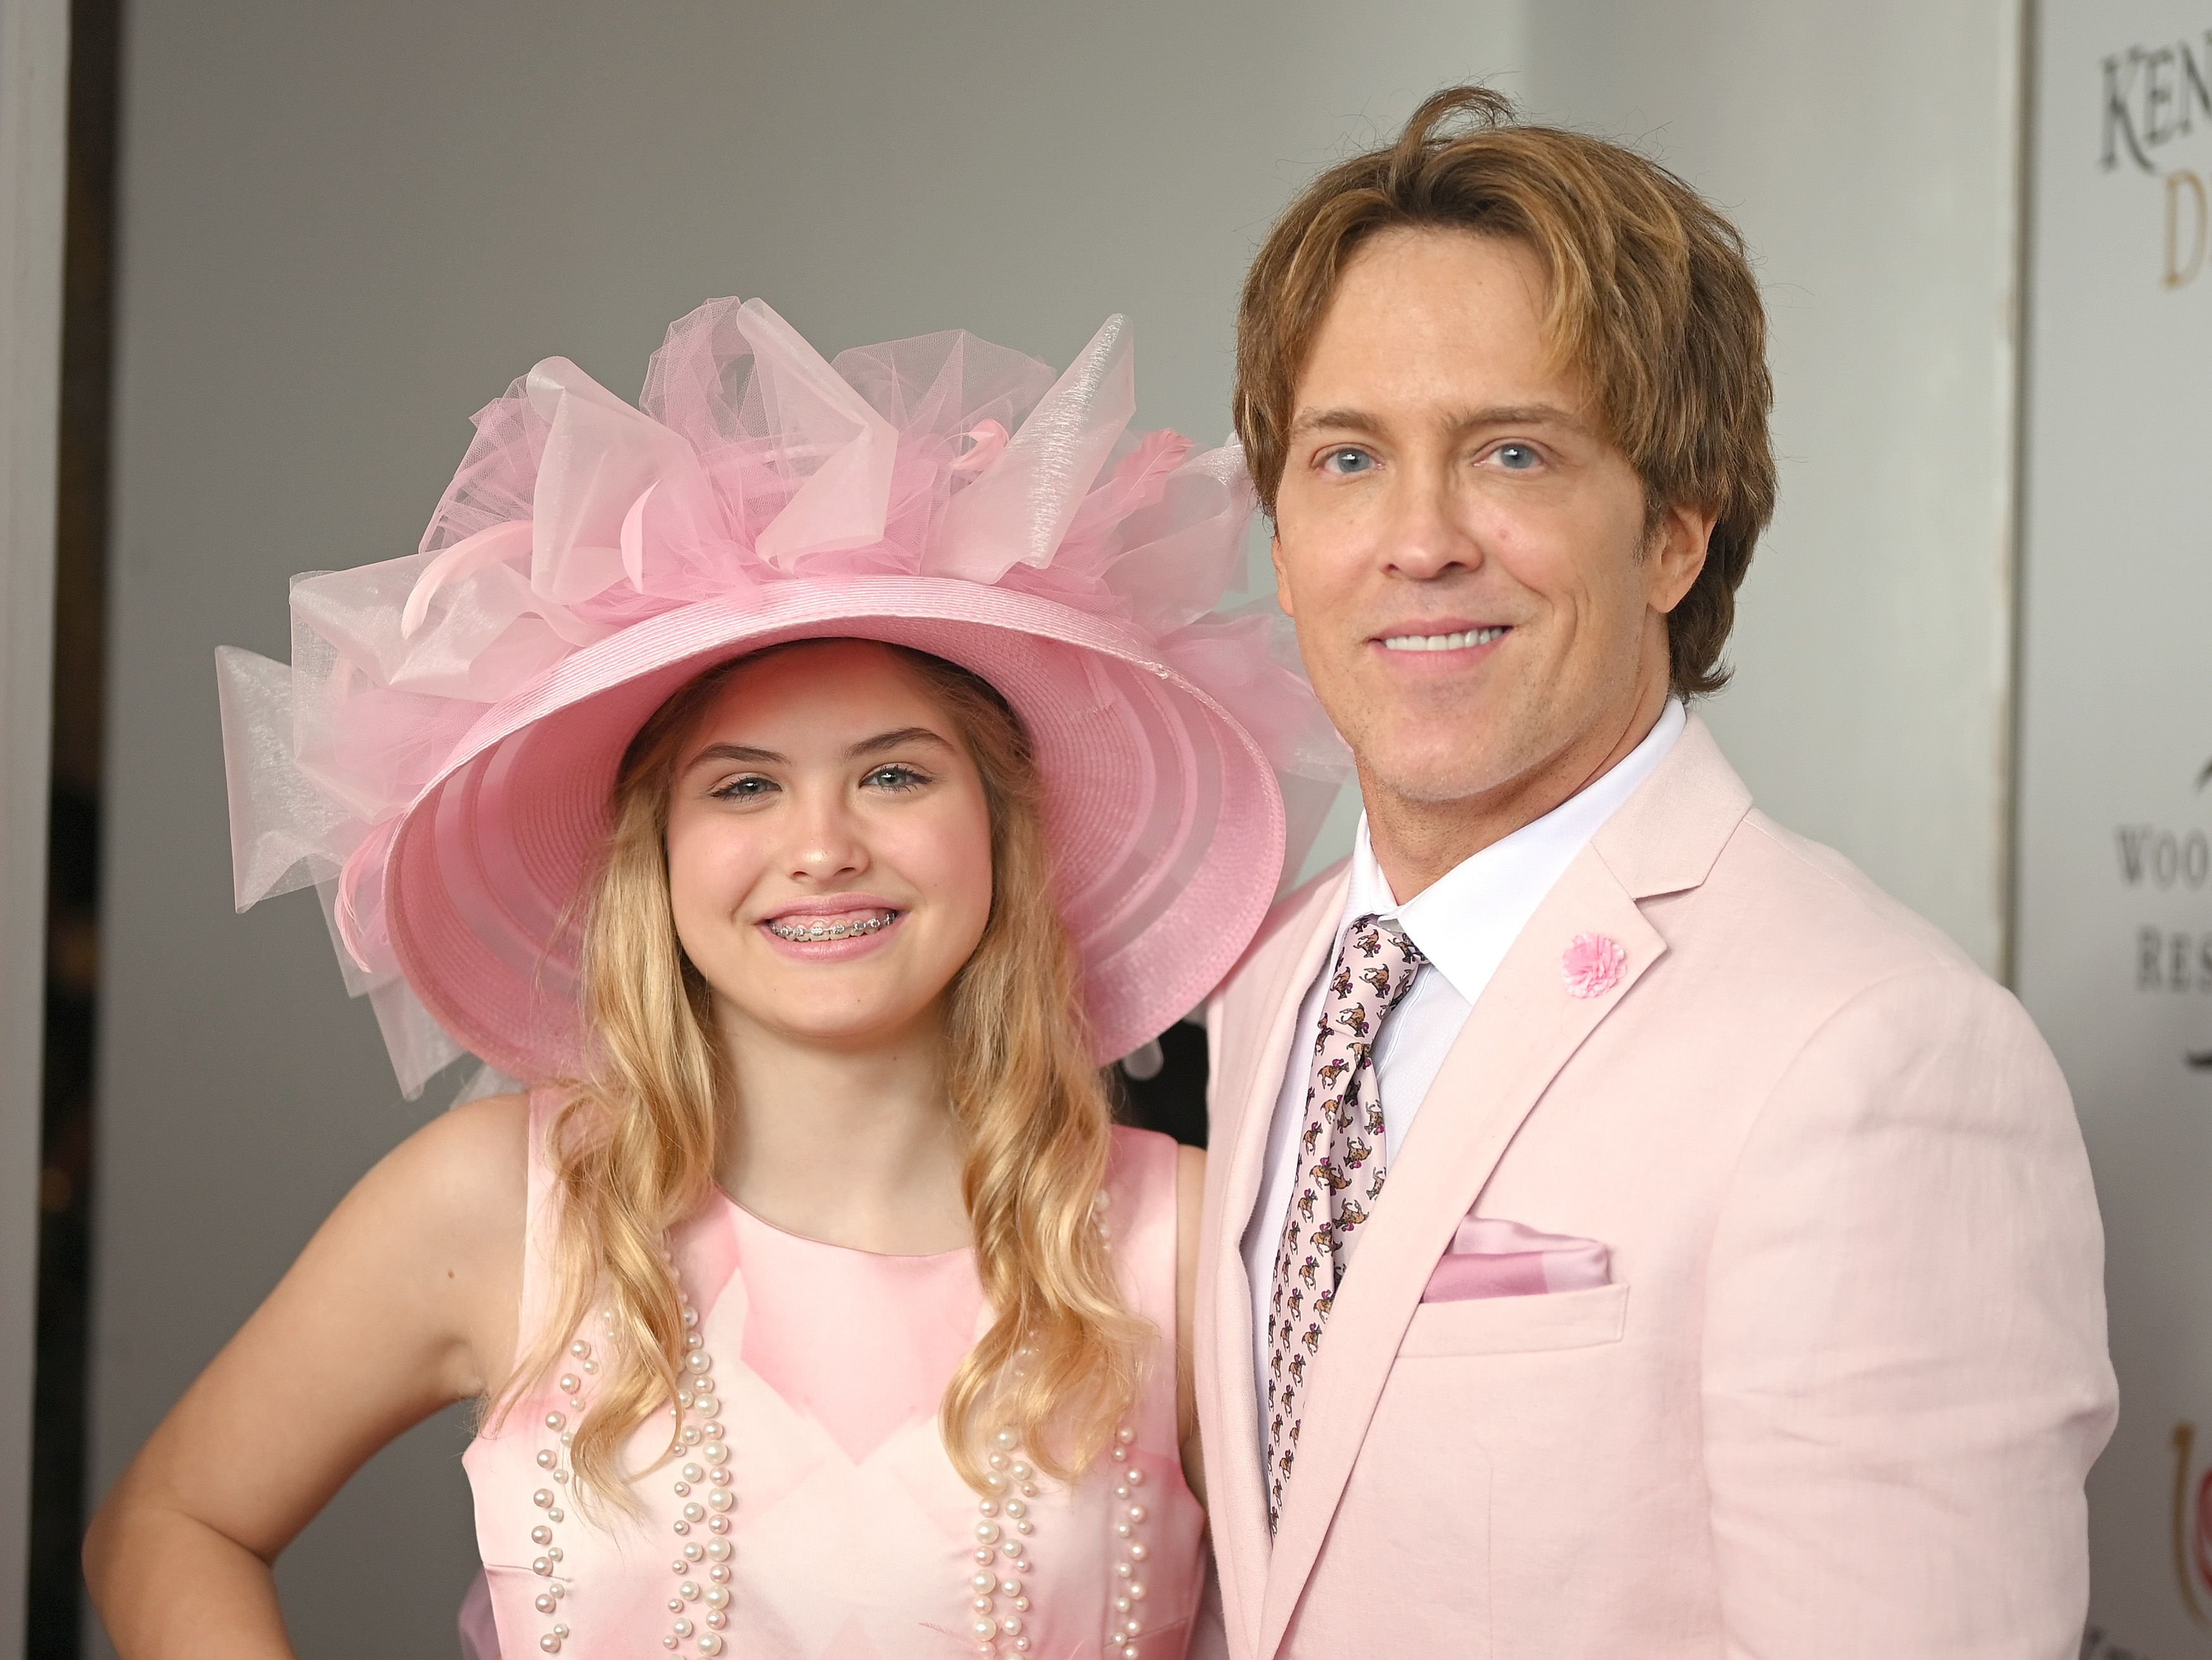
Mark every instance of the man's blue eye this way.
pixel 1349 461
pixel 1517 458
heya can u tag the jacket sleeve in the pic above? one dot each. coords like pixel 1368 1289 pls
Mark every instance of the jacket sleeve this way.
pixel 1904 1372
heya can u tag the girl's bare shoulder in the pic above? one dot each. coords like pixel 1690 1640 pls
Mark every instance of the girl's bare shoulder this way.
pixel 446 1213
pixel 469 1166
pixel 449 1205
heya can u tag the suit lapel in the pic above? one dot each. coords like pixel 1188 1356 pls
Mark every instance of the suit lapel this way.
pixel 1257 1029
pixel 1525 1027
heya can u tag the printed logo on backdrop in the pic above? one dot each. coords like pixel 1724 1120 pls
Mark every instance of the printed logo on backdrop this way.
pixel 2191 1524
pixel 2155 94
pixel 2174 862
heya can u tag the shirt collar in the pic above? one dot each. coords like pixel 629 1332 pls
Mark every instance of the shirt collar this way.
pixel 1468 919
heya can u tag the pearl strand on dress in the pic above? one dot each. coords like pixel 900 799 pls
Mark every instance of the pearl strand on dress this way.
pixel 547 1563
pixel 1008 1469
pixel 702 1492
pixel 1012 1484
pixel 1126 1625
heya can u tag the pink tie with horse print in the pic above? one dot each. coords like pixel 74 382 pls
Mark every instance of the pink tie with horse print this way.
pixel 1341 1169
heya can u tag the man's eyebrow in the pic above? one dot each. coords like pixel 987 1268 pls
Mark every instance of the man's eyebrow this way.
pixel 1494 415
pixel 892 740
pixel 1519 415
pixel 1343 420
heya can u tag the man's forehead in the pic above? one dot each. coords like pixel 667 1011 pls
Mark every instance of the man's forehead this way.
pixel 1449 320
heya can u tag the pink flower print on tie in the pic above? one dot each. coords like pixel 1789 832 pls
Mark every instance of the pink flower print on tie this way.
pixel 1592 964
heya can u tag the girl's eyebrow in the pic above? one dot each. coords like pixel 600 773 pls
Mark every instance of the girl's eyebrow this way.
pixel 738 752
pixel 892 740
pixel 745 754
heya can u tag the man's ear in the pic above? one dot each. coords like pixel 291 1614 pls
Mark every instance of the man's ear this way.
pixel 1282 576
pixel 1674 556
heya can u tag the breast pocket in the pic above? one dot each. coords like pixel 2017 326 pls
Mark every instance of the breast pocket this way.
pixel 1517 1325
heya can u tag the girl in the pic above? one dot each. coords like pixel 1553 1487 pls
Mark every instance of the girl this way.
pixel 804 782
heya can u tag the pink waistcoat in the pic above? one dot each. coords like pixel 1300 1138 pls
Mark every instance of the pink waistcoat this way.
pixel 812 1511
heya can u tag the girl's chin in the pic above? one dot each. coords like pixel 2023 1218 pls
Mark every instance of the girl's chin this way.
pixel 854 1029
pixel 851 1003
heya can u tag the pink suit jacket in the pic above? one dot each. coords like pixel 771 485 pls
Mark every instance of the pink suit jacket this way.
pixel 1841 1394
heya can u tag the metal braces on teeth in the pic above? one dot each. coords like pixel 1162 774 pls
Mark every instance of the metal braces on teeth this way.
pixel 832 930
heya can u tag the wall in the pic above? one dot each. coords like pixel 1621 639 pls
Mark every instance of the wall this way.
pixel 345 229
pixel 1868 152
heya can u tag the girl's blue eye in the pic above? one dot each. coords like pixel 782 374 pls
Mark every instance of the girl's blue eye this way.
pixel 1348 461
pixel 1517 458
pixel 749 788
pixel 896 777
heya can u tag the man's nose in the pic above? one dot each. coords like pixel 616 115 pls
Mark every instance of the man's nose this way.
pixel 1427 535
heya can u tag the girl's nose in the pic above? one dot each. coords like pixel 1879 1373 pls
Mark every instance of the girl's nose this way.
pixel 826 843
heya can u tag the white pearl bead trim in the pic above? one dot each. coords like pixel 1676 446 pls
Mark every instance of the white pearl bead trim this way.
pixel 700 1566
pixel 546 1564
pixel 700 1605
pixel 997 1601
pixel 1125 1624
pixel 1125 1618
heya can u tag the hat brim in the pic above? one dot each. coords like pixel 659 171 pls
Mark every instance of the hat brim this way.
pixel 1162 813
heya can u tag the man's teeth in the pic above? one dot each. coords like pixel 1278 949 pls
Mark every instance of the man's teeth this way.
pixel 1441 641
pixel 875 924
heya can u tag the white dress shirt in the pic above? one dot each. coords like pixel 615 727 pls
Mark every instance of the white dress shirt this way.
pixel 1464 922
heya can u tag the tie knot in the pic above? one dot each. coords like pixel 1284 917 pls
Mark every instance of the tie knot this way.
pixel 1386 935
pixel 1380 955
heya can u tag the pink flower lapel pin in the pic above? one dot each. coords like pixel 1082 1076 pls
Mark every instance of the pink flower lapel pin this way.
pixel 1592 964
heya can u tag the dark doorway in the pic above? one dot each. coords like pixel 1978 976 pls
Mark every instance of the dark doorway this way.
pixel 55 1602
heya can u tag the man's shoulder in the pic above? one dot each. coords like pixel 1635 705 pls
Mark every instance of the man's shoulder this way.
pixel 1780 903
pixel 1794 964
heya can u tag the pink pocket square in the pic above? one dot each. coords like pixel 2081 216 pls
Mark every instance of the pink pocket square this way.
pixel 1489 1257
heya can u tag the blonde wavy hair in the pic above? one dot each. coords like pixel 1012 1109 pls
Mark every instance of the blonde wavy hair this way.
pixel 635 1149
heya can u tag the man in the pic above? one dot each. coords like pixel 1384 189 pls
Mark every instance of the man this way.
pixel 1628 1232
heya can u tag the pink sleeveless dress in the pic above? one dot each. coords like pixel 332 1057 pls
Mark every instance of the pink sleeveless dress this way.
pixel 813 1513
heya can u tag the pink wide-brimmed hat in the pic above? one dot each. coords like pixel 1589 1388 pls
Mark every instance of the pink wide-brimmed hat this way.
pixel 438 759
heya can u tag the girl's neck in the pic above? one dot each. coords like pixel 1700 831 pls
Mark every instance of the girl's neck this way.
pixel 853 1146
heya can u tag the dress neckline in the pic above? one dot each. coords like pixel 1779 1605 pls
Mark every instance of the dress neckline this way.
pixel 916 1258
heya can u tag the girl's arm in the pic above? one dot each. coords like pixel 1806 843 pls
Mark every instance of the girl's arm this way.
pixel 404 1301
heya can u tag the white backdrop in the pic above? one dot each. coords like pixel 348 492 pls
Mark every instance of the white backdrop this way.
pixel 2115 918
